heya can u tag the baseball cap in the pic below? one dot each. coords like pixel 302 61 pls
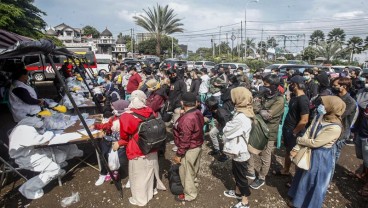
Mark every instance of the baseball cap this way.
pixel 297 79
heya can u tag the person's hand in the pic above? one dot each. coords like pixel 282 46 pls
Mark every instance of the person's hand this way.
pixel 206 120
pixel 293 153
pixel 115 146
pixel 92 127
pixel 176 159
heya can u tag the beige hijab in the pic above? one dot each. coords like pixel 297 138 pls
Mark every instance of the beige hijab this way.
pixel 243 100
pixel 335 107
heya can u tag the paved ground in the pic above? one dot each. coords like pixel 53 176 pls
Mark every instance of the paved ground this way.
pixel 215 177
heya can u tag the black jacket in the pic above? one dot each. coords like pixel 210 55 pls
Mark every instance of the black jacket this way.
pixel 176 91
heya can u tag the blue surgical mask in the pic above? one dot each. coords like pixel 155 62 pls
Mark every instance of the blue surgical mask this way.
pixel 321 110
pixel 306 77
pixel 362 79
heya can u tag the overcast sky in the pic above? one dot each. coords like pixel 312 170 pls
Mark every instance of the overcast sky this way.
pixel 202 18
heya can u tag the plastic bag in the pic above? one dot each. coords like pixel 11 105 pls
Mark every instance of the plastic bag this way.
pixel 114 163
pixel 67 201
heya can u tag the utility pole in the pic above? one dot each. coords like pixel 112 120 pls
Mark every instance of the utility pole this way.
pixel 172 47
pixel 131 41
pixel 213 46
pixel 220 42
pixel 241 38
pixel 261 43
pixel 227 43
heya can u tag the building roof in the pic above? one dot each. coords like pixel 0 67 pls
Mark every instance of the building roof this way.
pixel 51 32
pixel 120 41
pixel 106 32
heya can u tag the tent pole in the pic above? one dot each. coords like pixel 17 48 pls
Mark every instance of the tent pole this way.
pixel 89 89
pixel 91 138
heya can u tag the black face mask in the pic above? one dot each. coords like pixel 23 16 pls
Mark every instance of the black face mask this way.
pixel 335 90
pixel 291 88
pixel 172 79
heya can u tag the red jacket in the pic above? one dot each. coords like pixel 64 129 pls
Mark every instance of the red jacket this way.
pixel 106 127
pixel 129 131
pixel 188 131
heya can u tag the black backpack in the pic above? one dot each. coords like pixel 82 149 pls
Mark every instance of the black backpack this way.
pixel 151 133
pixel 175 185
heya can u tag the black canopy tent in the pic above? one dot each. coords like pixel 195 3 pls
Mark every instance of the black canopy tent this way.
pixel 47 48
pixel 8 39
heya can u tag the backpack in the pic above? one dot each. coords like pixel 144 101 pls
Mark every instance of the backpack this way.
pixel 259 135
pixel 175 185
pixel 151 133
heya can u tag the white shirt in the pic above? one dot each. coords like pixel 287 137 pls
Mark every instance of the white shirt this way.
pixel 203 88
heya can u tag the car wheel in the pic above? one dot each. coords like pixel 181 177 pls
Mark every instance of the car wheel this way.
pixel 39 77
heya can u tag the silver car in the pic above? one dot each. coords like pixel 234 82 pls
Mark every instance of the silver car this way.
pixel 204 64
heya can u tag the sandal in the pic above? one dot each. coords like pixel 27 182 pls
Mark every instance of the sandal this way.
pixel 279 173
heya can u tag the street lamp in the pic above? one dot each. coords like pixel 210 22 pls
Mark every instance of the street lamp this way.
pixel 245 24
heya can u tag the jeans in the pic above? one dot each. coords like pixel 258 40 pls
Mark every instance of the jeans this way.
pixel 361 149
pixel 337 147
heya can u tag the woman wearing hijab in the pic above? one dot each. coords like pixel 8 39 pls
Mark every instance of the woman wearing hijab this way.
pixel 236 136
pixel 143 169
pixel 320 137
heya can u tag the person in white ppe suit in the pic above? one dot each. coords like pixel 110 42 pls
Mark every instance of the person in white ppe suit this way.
pixel 22 141
pixel 22 97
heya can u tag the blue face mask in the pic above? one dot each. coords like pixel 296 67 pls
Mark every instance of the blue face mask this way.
pixel 321 110
pixel 362 79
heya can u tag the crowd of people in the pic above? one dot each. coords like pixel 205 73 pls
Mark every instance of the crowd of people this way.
pixel 315 115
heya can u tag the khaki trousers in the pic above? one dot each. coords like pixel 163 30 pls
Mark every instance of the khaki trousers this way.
pixel 265 156
pixel 188 171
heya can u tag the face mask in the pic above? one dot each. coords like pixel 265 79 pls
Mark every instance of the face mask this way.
pixel 321 110
pixel 306 78
pixel 362 79
pixel 291 88
pixel 335 90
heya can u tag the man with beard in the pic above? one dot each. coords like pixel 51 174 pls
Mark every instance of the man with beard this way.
pixel 271 110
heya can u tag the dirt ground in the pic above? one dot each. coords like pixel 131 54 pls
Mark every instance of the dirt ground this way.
pixel 214 176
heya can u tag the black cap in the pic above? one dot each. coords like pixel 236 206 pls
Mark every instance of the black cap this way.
pixel 297 79
pixel 188 97
pixel 148 70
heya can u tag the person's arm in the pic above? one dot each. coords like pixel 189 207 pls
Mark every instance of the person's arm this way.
pixel 349 110
pixel 185 137
pixel 140 81
pixel 327 135
pixel 314 90
pixel 24 95
pixel 304 115
pixel 196 88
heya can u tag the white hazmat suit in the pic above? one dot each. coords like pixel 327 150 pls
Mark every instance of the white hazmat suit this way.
pixel 22 141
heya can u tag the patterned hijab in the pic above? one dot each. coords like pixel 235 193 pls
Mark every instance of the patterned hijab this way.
pixel 137 99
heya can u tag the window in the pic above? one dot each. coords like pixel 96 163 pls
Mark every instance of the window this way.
pixel 208 63
pixel 104 41
pixel 68 33
pixel 56 59
pixel 28 60
pixel 232 66
pixel 198 63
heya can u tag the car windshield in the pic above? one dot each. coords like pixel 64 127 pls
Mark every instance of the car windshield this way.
pixel 198 63
pixel 103 61
pixel 272 66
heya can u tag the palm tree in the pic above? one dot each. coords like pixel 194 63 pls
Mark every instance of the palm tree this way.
pixel 329 50
pixel 337 34
pixel 262 48
pixel 316 37
pixel 355 46
pixel 366 43
pixel 159 21
pixel 251 46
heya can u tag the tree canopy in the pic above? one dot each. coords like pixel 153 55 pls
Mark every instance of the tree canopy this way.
pixel 22 17
pixel 90 30
pixel 316 37
pixel 337 34
pixel 160 20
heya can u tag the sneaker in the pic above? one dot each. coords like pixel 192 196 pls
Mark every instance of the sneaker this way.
pixel 240 205
pixel 174 149
pixel 214 152
pixel 232 194
pixel 100 180
pixel 127 185
pixel 222 158
pixel 155 191
pixel 350 142
pixel 256 184
pixel 250 176
pixel 172 142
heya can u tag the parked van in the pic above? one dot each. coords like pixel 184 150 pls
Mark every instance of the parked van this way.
pixel 103 62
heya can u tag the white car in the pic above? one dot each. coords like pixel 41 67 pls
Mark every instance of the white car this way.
pixel 103 61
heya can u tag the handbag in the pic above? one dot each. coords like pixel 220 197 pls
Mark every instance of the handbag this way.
pixel 303 158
